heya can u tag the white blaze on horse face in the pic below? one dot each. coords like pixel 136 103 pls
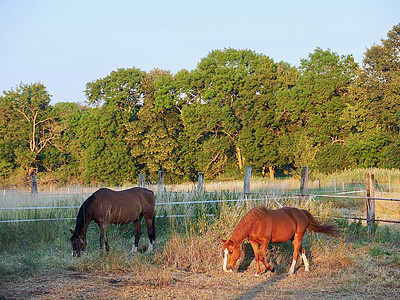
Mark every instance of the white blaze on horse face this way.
pixel 225 259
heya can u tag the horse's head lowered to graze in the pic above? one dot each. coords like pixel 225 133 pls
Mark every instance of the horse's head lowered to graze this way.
pixel 78 244
pixel 231 253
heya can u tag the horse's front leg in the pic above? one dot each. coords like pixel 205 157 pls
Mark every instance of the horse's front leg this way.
pixel 256 251
pixel 103 241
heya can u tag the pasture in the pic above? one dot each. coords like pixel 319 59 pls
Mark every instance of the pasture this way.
pixel 186 263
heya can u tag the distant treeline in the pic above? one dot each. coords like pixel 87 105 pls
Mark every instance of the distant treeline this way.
pixel 237 108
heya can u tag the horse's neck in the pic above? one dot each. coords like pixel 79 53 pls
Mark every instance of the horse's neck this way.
pixel 82 222
pixel 240 232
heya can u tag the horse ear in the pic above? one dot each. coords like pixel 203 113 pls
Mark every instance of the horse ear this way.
pixel 224 241
pixel 73 232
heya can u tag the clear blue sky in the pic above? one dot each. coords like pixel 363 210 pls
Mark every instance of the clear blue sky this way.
pixel 66 44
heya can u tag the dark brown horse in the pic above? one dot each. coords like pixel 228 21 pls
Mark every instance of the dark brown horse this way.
pixel 106 206
pixel 263 226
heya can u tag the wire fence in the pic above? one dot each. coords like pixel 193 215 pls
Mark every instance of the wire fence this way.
pixel 246 197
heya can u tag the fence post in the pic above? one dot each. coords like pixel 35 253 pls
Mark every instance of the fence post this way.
pixel 142 178
pixel 160 180
pixel 247 178
pixel 34 186
pixel 200 183
pixel 370 202
pixel 304 181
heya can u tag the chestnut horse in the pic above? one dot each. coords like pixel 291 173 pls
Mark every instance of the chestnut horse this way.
pixel 263 226
pixel 106 206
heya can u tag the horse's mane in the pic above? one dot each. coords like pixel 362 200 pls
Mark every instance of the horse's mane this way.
pixel 245 225
pixel 82 214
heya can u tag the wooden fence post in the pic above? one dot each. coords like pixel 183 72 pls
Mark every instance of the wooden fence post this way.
pixel 200 183
pixel 247 178
pixel 370 184
pixel 142 178
pixel 160 180
pixel 304 181
pixel 34 184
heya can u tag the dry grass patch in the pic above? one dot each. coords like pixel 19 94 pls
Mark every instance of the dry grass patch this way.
pixel 334 253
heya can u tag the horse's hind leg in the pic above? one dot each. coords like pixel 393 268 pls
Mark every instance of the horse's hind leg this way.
pixel 138 231
pixel 296 241
pixel 305 260
pixel 151 230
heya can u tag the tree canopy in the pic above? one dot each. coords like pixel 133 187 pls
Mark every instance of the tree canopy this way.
pixel 236 108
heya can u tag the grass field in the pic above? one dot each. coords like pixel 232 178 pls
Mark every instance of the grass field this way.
pixel 36 259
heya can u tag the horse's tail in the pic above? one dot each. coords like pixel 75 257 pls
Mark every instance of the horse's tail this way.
pixel 316 226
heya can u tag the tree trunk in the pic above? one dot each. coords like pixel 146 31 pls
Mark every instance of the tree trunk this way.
pixel 263 171
pixel 239 158
pixel 271 172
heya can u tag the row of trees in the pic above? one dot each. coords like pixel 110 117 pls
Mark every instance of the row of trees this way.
pixel 236 108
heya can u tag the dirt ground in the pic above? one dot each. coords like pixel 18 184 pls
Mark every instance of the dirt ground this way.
pixel 320 283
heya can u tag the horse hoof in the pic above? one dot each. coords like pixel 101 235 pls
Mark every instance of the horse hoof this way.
pixel 257 275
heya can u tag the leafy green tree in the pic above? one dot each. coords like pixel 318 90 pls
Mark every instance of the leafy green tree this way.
pixel 172 94
pixel 154 137
pixel 30 122
pixel 66 158
pixel 314 106
pixel 375 100
pixel 368 150
pixel 261 127
pixel 103 129
pixel 373 109
pixel 121 90
pixel 210 114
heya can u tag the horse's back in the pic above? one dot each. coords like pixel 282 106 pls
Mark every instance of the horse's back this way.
pixel 123 206
pixel 126 196
pixel 281 224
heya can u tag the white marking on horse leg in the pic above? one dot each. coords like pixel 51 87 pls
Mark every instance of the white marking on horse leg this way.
pixel 291 270
pixel 134 249
pixel 150 248
pixel 306 264
pixel 225 259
